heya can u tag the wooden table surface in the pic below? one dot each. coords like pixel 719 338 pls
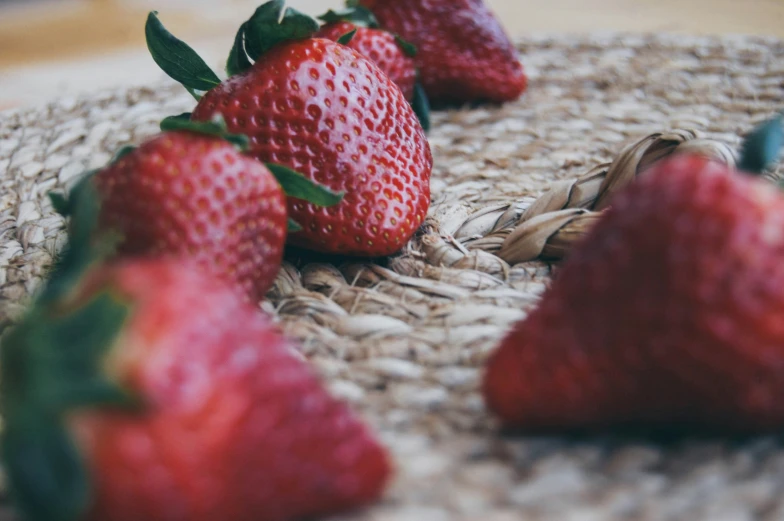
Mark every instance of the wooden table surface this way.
pixel 52 47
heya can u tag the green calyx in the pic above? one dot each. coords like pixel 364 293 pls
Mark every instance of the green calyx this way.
pixel 291 182
pixel 346 38
pixel 762 147
pixel 421 106
pixel 217 128
pixel 409 49
pixel 177 59
pixel 50 366
pixel 271 24
pixel 357 15
pixel 298 186
pixel 83 249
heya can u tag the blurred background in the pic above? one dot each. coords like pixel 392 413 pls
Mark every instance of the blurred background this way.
pixel 62 47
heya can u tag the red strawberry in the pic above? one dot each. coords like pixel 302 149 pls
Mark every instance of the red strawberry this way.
pixel 381 47
pixel 668 313
pixel 327 112
pixel 463 53
pixel 182 193
pixel 152 391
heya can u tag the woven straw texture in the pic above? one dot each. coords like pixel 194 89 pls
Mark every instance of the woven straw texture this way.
pixel 404 339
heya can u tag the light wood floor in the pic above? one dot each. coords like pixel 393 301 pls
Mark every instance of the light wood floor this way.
pixel 75 38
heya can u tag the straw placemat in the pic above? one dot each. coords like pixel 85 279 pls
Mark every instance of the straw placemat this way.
pixel 405 340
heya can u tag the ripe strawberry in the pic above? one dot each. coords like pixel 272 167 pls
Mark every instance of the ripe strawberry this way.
pixel 326 111
pixel 182 193
pixel 463 53
pixel 152 391
pixel 668 313
pixel 381 47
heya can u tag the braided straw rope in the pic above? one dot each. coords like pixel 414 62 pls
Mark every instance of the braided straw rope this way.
pixel 548 226
pixel 404 339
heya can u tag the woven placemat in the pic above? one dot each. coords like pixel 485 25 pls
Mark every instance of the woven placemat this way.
pixel 405 340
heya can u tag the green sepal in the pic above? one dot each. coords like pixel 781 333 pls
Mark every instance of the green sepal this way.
pixel 122 152
pixel 178 59
pixel 238 61
pixel 294 226
pixel 60 203
pixel 82 250
pixel 216 127
pixel 421 106
pixel 352 3
pixel 272 24
pixel 357 15
pixel 298 186
pixel 51 364
pixel 762 146
pixel 47 478
pixel 346 38
pixel 174 120
pixel 408 48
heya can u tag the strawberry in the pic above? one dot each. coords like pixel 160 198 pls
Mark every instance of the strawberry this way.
pixel 393 56
pixel 463 53
pixel 182 193
pixel 324 110
pixel 190 193
pixel 149 390
pixel 667 314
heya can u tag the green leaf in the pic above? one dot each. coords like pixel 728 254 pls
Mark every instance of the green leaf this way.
pixel 346 38
pixel 216 127
pixel 238 59
pixel 122 152
pixel 52 363
pixel 409 49
pixel 298 186
pixel 762 147
pixel 267 28
pixel 298 25
pixel 83 207
pixel 352 3
pixel 421 106
pixel 357 15
pixel 294 226
pixel 92 327
pixel 47 477
pixel 176 58
pixel 179 119
pixel 60 203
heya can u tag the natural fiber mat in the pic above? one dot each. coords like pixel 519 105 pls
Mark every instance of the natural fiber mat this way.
pixel 404 340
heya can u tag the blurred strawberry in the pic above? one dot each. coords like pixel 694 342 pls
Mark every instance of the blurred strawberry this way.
pixel 667 314
pixel 463 53
pixel 150 390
